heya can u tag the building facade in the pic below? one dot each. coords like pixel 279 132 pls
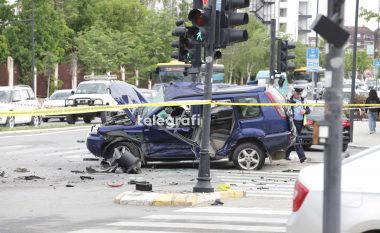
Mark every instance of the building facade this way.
pixel 292 17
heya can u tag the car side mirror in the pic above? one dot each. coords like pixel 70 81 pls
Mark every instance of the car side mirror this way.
pixel 72 92
pixel 109 91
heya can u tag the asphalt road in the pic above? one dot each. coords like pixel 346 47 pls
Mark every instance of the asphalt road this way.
pixel 56 156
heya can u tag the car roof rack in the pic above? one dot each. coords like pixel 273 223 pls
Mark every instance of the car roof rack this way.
pixel 100 77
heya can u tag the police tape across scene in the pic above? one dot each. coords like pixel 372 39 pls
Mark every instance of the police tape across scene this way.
pixel 88 109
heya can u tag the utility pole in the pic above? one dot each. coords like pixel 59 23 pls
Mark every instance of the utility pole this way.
pixel 34 80
pixel 353 71
pixel 333 115
pixel 203 184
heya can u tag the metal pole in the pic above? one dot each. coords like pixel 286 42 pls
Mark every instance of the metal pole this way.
pixel 34 82
pixel 316 34
pixel 333 117
pixel 204 180
pixel 353 71
pixel 272 50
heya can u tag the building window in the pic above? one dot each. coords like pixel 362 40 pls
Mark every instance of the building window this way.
pixel 283 0
pixel 283 12
pixel 282 27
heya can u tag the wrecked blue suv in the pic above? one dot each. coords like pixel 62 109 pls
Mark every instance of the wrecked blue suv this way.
pixel 245 135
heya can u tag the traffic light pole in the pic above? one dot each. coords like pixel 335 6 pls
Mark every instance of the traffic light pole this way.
pixel 272 50
pixel 204 180
pixel 333 115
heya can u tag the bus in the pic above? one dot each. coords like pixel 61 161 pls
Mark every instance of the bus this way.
pixel 176 71
pixel 302 74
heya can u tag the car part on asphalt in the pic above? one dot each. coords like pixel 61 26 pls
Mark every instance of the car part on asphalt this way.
pixel 115 184
pixel 86 178
pixel 21 169
pixel 143 186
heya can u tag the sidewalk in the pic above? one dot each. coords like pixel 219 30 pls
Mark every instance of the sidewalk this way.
pixel 361 135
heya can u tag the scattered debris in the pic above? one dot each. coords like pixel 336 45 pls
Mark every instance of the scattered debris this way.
pixel 192 179
pixel 3 174
pixel 76 171
pixel 86 177
pixel 173 183
pixel 31 177
pixel 90 159
pixel 81 141
pixel 107 170
pixel 21 169
pixel 217 202
pixel 223 187
pixel 261 188
pixel 291 170
pixel 115 184
pixel 135 180
pixel 59 168
pixel 143 186
pixel 70 185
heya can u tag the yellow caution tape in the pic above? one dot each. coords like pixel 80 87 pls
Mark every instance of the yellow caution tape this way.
pixel 89 109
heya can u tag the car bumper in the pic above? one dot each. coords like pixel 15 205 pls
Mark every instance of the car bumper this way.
pixel 94 144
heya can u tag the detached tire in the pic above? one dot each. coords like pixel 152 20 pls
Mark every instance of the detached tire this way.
pixel 71 119
pixel 123 146
pixel 248 156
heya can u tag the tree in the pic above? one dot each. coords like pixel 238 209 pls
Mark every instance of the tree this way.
pixel 50 35
pixel 363 62
pixel 4 50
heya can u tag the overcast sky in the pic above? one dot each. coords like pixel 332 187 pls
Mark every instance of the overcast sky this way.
pixel 349 13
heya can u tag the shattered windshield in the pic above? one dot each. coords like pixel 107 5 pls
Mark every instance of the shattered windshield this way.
pixel 5 96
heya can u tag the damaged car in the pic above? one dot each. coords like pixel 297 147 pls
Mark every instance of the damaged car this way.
pixel 246 135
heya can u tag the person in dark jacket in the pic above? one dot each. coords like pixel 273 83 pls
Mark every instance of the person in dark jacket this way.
pixel 372 112
pixel 299 113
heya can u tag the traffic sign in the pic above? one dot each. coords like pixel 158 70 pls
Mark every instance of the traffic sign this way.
pixel 312 59
pixel 376 65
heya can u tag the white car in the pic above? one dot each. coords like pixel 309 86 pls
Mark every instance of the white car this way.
pixel 56 100
pixel 360 200
pixel 19 97
pixel 102 90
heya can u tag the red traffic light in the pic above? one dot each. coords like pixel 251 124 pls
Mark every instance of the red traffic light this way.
pixel 198 17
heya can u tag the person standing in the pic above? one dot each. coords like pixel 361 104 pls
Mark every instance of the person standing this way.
pixel 299 113
pixel 372 112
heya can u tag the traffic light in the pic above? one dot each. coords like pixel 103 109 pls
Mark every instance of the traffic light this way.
pixel 184 45
pixel 284 55
pixel 227 19
pixel 200 19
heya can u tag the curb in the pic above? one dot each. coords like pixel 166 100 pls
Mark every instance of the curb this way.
pixel 139 198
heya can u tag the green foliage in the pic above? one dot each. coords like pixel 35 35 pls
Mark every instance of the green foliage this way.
pixel 244 60
pixel 363 62
pixel 4 49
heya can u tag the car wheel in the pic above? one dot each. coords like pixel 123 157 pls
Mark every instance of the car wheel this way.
pixel 105 116
pixel 45 119
pixel 122 147
pixel 10 122
pixel 71 119
pixel 345 146
pixel 87 120
pixel 35 121
pixel 248 156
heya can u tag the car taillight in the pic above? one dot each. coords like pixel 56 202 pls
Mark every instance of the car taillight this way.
pixel 346 123
pixel 280 110
pixel 300 193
